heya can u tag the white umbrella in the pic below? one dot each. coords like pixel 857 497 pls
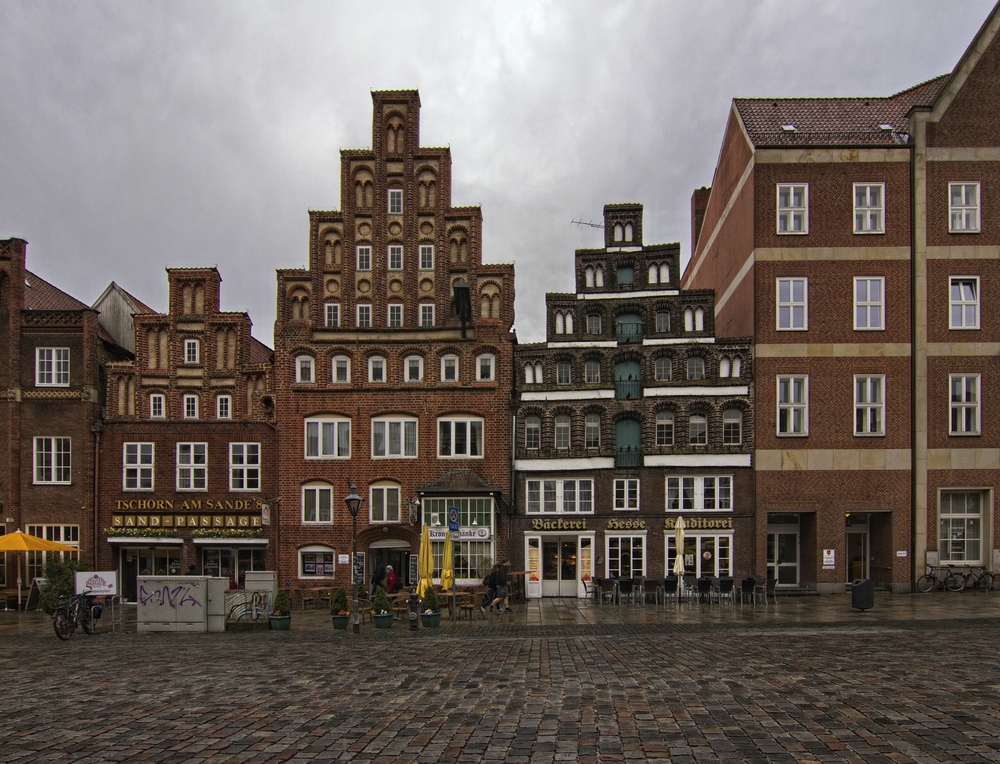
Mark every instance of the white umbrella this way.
pixel 679 543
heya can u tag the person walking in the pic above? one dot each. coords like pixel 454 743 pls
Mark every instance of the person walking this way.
pixel 378 576
pixel 502 599
pixel 391 582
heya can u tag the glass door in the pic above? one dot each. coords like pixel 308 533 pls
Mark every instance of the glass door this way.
pixel 783 554
pixel 559 567
pixel 857 547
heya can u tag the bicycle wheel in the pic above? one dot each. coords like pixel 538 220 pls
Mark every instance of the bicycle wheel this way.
pixel 86 618
pixel 955 582
pixel 985 582
pixel 926 583
pixel 60 621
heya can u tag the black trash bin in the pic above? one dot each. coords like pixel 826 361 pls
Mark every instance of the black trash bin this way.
pixel 863 594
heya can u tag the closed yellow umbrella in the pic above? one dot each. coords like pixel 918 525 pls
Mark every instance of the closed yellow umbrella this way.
pixel 447 564
pixel 425 563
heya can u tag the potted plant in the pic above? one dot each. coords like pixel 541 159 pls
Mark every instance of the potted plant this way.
pixel 430 615
pixel 381 610
pixel 338 609
pixel 280 617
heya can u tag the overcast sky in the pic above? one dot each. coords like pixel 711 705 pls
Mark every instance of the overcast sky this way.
pixel 136 136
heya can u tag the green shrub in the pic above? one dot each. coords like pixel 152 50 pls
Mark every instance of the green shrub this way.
pixel 381 603
pixel 58 582
pixel 282 605
pixel 338 605
pixel 429 600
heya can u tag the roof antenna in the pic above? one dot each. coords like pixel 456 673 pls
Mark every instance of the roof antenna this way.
pixel 583 222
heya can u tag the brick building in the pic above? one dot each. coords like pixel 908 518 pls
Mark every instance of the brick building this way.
pixel 52 356
pixel 187 463
pixel 392 366
pixel 853 239
pixel 630 415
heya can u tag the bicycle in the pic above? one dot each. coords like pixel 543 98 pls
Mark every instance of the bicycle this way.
pixel 78 610
pixel 977 576
pixel 953 582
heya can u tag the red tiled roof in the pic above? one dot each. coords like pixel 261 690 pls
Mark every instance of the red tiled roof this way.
pixel 834 121
pixel 259 352
pixel 39 294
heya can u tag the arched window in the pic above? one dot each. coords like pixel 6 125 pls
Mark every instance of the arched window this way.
pixel 664 428
pixel 529 373
pixel 592 430
pixel 699 319
pixel 532 433
pixel 724 365
pixel 619 232
pixel 698 430
pixel 588 276
pixel 688 320
pixel 664 273
pixel 732 427
pixel 560 323
pixel 628 232
pixel 737 366
pixel 695 368
pixel 562 431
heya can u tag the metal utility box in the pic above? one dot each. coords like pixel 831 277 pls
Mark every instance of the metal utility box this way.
pixel 261 581
pixel 181 603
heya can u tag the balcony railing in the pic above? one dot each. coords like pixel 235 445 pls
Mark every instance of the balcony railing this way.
pixel 628 389
pixel 628 332
pixel 628 456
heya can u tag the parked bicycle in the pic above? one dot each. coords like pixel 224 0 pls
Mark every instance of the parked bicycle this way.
pixel 78 610
pixel 937 578
pixel 975 576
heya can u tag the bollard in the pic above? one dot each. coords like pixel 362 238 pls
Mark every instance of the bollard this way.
pixel 414 606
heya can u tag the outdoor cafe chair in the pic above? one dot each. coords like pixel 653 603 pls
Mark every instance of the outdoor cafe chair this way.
pixel 770 589
pixel 608 590
pixel 725 589
pixel 705 589
pixel 626 588
pixel 690 586
pixel 670 584
pixel 748 591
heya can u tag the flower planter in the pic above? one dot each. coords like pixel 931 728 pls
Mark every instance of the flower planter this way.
pixel 382 621
pixel 431 620
pixel 280 622
pixel 340 621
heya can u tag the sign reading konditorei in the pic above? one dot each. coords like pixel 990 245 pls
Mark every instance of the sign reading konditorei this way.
pixel 700 523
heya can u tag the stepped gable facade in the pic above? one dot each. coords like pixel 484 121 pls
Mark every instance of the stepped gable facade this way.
pixel 393 353
pixel 629 416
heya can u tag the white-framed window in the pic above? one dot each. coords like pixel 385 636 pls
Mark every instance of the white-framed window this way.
pixel 192 351
pixel 137 466
pixel 52 367
pixel 316 561
pixel 395 315
pixel 793 404
pixel 792 304
pixel 964 404
pixel 869 307
pixel 341 369
pixel 485 367
pixel 383 501
pixel 532 432
pixel 662 368
pixel 626 494
pixel 364 316
pixel 244 466
pixel 732 427
pixel 395 201
pixel 364 257
pixel 592 372
pixel 592 431
pixel 869 208
pixel 699 492
pixel 376 369
pixel 562 432
pixel 963 302
pixel 414 365
pixel 426 257
pixel 869 404
pixel 662 321
pixel 963 207
pixel 331 315
pixel 304 369
pixel 64 534
pixel 224 407
pixel 664 428
pixel 190 403
pixel 192 467
pixel 426 315
pixel 533 373
pixel 157 406
pixel 626 556
pixel 328 438
pixel 593 323
pixel 449 368
pixel 395 257
pixel 563 373
pixel 460 437
pixel 698 430
pixel 394 438
pixel 317 504
pixel 960 527
pixel 793 208
pixel 695 368
pixel 557 496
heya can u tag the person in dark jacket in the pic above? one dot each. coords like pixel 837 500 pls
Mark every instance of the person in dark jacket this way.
pixel 502 593
pixel 378 575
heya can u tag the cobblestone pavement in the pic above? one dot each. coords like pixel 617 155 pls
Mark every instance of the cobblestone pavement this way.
pixel 800 680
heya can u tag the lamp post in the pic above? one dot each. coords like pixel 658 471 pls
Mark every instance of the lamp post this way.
pixel 353 502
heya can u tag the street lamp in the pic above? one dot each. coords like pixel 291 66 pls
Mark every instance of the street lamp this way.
pixel 353 502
